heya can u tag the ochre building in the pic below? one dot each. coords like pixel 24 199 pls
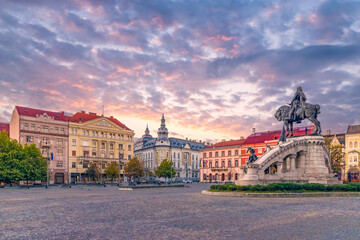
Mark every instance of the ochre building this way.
pixel 97 139
pixel 352 150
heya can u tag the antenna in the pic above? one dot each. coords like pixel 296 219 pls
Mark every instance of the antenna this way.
pixel 102 110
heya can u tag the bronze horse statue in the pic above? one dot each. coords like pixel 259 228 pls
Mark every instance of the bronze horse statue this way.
pixel 252 157
pixel 305 111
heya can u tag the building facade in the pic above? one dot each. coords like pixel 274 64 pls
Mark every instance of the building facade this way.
pixel 49 131
pixel 5 127
pixel 352 150
pixel 221 161
pixel 97 139
pixel 184 154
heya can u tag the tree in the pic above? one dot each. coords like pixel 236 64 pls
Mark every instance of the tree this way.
pixel 134 168
pixel 112 170
pixel 165 169
pixel 93 171
pixel 336 153
pixel 33 166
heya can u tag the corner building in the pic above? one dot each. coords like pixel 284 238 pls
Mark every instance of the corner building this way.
pixel 352 151
pixel 184 154
pixel 49 131
pixel 221 161
pixel 97 139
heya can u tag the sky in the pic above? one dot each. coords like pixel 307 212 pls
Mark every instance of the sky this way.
pixel 216 69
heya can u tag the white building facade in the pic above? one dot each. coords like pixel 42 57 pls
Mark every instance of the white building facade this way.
pixel 184 154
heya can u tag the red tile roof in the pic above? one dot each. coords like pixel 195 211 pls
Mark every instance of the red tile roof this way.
pixel 84 117
pixel 262 137
pixel 31 112
pixel 227 144
pixel 5 127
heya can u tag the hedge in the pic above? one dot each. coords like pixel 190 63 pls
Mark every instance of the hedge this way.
pixel 288 187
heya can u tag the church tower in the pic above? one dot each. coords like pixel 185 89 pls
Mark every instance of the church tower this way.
pixel 163 131
pixel 147 135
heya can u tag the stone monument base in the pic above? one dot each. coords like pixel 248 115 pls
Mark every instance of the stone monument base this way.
pixel 303 159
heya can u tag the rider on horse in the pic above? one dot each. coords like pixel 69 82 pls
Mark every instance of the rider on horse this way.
pixel 296 103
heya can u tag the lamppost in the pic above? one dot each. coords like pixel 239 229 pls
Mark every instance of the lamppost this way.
pixel 171 166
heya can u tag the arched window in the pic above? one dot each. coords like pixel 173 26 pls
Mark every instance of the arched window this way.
pixel 350 145
pixel 223 164
pixel 229 163
pixel 204 176
pixel 236 163
pixel 210 164
pixel 216 177
pixel 356 145
pixel 216 164
pixel 229 176
pixel 236 176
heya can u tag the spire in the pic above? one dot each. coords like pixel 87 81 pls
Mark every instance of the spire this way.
pixel 147 132
pixel 162 131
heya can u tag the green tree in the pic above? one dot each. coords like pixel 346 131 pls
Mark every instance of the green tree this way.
pixel 93 171
pixel 11 153
pixel 336 153
pixel 112 170
pixel 165 169
pixel 134 168
pixel 32 165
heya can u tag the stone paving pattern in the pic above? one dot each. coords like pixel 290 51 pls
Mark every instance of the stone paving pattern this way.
pixel 92 212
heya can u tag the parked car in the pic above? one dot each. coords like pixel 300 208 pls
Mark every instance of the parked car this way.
pixel 187 181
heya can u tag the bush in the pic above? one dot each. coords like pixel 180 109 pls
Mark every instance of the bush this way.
pixel 314 187
pixel 258 188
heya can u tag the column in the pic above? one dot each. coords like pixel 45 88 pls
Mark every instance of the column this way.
pixel 279 169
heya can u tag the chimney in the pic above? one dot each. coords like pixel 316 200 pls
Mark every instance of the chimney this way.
pixel 111 117
pixel 241 137
pixel 253 130
pixel 82 111
pixel 328 132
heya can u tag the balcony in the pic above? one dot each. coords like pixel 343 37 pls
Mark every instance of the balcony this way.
pixel 45 144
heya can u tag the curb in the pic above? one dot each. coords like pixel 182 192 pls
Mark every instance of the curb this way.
pixel 281 195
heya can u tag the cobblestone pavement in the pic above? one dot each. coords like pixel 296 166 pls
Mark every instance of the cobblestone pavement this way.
pixel 179 213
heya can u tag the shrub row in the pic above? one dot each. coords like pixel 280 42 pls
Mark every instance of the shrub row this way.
pixel 289 187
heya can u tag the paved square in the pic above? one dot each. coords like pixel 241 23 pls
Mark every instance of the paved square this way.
pixel 181 213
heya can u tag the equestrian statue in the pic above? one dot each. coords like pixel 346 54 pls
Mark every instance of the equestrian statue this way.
pixel 296 111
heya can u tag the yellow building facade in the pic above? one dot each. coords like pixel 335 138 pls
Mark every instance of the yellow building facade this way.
pixel 100 140
pixel 352 150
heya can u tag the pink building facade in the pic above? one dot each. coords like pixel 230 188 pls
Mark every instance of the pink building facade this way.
pixel 49 131
pixel 221 161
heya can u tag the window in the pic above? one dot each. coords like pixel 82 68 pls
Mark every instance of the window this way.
pixel 83 132
pixel 236 152
pixel 355 159
pixel 216 154
pixel 236 163
pixel 59 152
pixel 111 146
pixel 86 154
pixel 45 129
pixel 178 155
pixel 229 153
pixel 73 165
pixel 32 127
pixel 223 164
pixel 229 163
pixel 85 165
pixel 29 139
pixel 73 153
pixel 351 145
pixel 56 130
pixel 216 164
pixel 73 142
pixel 59 164
pixel 111 155
pixel 105 135
pixel 356 145
pixel 45 140
pixel 210 164
pixel 129 157
pixel 129 147
pixel 260 150
pixel 94 153
pixel 223 153
pixel 94 144
pixel 120 146
pixel 59 141
pixel 26 126
pixel 210 155
pixel 103 145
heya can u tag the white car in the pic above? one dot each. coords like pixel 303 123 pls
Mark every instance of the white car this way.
pixel 187 181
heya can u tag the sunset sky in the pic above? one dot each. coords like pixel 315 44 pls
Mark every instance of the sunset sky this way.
pixel 215 68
